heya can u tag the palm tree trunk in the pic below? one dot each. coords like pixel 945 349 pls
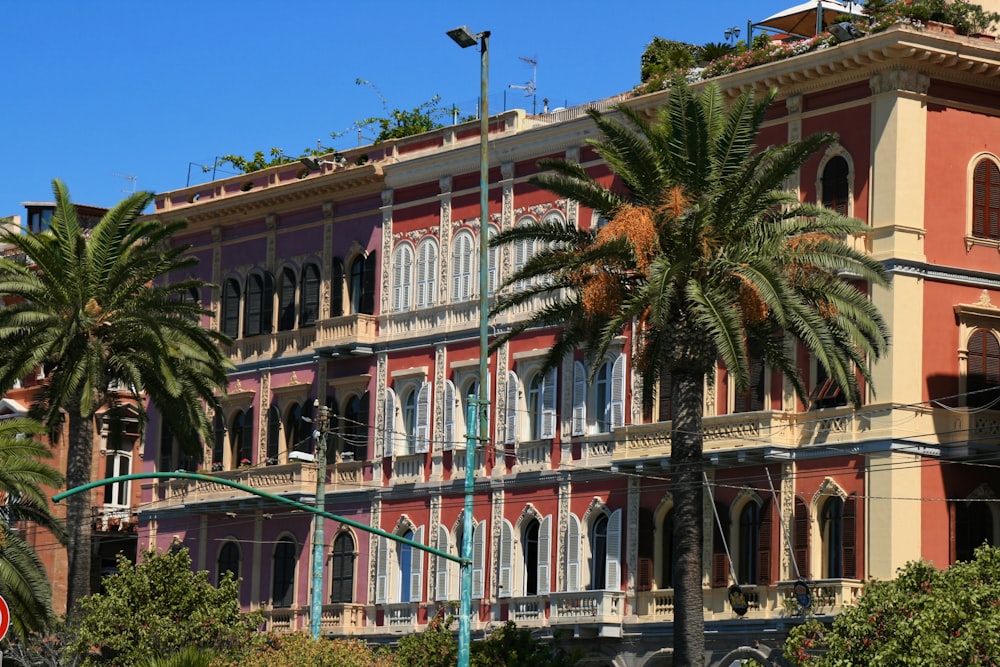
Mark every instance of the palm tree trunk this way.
pixel 688 493
pixel 79 522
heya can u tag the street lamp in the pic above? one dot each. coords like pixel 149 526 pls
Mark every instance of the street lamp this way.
pixel 465 38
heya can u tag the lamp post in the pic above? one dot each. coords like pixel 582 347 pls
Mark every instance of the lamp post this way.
pixel 465 38
pixel 316 597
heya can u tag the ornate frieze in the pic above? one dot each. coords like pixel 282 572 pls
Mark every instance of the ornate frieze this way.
pixel 899 79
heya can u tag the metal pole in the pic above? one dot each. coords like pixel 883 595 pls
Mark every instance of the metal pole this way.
pixel 316 599
pixel 482 405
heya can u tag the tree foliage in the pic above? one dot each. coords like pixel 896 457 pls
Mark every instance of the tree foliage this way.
pixel 705 256
pixel 924 616
pixel 156 608
pixel 23 473
pixel 94 308
pixel 301 649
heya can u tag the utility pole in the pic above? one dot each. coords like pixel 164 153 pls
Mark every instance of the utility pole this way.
pixel 316 600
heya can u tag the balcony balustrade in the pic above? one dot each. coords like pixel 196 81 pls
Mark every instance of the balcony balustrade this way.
pixel 603 607
pixel 533 455
pixel 923 426
pixel 346 330
pixel 342 619
pixel 526 611
pixel 408 468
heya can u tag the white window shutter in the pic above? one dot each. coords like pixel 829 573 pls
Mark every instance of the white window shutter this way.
pixel 417 569
pixel 466 288
pixel 510 421
pixel 506 584
pixel 406 277
pixel 423 418
pixel 549 405
pixel 382 571
pixel 572 554
pixel 442 565
pixel 389 424
pixel 478 560
pixel 449 416
pixel 544 555
pixel 613 563
pixel 397 279
pixel 618 392
pixel 456 268
pixel 422 257
pixel 579 399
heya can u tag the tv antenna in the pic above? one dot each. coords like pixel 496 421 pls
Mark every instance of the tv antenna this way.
pixel 530 88
pixel 131 179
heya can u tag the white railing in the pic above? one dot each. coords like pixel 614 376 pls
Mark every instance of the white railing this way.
pixel 408 468
pixel 534 455
pixel 587 606
pixel 527 610
pixel 401 616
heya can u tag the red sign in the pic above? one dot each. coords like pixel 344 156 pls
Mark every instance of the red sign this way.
pixel 4 617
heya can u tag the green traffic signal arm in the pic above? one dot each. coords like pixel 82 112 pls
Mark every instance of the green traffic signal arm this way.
pixel 263 494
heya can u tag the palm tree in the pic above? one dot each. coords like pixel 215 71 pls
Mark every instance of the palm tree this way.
pixel 107 311
pixel 704 255
pixel 23 582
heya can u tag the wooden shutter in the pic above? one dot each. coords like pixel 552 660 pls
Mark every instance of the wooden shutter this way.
pixel 423 418
pixel 423 271
pixel 544 555
pixel 986 200
pixel 549 405
pixel 850 538
pixel 382 571
pixel 613 563
pixel 397 278
pixel 505 587
pixel 492 259
pixel 720 569
pixel 644 578
pixel 618 392
pixel 800 537
pixel 231 309
pixel 478 560
pixel 267 304
pixel 388 435
pixel 764 553
pixel 246 436
pixel 286 301
pixel 368 285
pixel 309 307
pixel 337 288
pixel 572 554
pixel 417 568
pixel 448 414
pixel 579 425
pixel 510 416
pixel 441 565
pixel 252 303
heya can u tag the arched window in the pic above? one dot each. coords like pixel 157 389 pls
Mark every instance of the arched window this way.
pixel 523 251
pixel 602 399
pixel 337 288
pixel 405 558
pixel 342 569
pixel 749 543
pixel 646 550
pixel 402 277
pixel 298 431
pixel 973 528
pixel 229 561
pixel 529 550
pixel 461 266
pixel 983 376
pixel 273 433
pixel 219 441
pixel 241 440
pixel 837 525
pixel 355 431
pixel 836 188
pixel 666 535
pixel 310 296
pixel 542 405
pixel 986 200
pixel 283 575
pixel 368 285
pixel 231 308
pixel 286 300
pixel 252 306
pixel 598 553
pixel 356 289
pixel 410 421
pixel 427 270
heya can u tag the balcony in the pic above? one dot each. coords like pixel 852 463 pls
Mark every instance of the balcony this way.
pixel 534 455
pixel 526 611
pixel 932 428
pixel 342 619
pixel 408 468
pixel 829 596
pixel 587 607
pixel 285 620
pixel 399 617
pixel 346 331
pixel 458 463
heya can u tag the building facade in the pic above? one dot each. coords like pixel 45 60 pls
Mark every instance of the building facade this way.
pixel 355 287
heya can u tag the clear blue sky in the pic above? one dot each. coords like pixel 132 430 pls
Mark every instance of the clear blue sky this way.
pixel 98 90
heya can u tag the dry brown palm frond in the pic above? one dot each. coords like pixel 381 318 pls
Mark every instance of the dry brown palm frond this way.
pixel 752 306
pixel 601 294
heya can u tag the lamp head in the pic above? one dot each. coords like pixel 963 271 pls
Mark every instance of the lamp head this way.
pixel 463 36
pixel 843 31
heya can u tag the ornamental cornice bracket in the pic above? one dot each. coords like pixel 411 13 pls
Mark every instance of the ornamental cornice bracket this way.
pixel 899 79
